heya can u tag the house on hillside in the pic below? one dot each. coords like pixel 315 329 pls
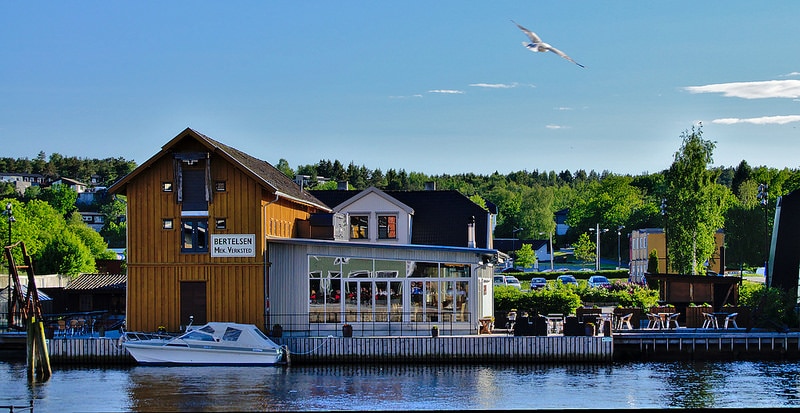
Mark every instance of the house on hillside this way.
pixel 217 234
pixel 22 181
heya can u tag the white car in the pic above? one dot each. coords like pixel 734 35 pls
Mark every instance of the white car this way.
pixel 512 281
pixel 599 281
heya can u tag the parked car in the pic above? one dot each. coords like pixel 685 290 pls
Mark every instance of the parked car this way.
pixel 567 279
pixel 512 281
pixel 599 281
pixel 499 280
pixel 510 270
pixel 538 283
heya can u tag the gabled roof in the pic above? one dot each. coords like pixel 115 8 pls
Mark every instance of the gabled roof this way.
pixel 69 181
pixel 98 282
pixel 264 173
pixel 440 217
pixel 378 192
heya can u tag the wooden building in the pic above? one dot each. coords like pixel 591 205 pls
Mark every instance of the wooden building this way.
pixel 199 213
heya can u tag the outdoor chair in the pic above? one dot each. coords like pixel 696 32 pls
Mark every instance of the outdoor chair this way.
pixel 654 321
pixel 73 326
pixel 62 328
pixel 673 319
pixel 731 319
pixel 625 321
pixel 710 321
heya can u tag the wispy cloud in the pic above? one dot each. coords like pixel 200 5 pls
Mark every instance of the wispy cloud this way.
pixel 792 74
pixel 405 97
pixel 551 126
pixel 495 85
pixel 447 91
pixel 764 120
pixel 753 90
pixel 563 108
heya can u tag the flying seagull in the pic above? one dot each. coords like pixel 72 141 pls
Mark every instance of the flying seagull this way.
pixel 537 45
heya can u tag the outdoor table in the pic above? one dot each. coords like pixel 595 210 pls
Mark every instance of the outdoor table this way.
pixel 555 321
pixel 720 315
pixel 664 319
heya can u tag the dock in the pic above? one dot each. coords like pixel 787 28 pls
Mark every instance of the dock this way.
pixel 635 345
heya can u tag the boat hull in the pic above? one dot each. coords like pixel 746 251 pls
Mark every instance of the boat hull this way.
pixel 160 354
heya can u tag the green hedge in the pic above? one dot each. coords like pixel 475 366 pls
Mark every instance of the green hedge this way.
pixel 557 298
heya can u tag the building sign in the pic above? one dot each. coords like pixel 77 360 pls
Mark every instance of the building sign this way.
pixel 233 245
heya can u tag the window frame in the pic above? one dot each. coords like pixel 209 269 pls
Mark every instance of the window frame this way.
pixel 359 227
pixel 386 230
pixel 197 235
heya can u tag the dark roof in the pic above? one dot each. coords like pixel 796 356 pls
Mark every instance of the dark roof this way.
pixel 440 217
pixel 260 170
pixel 98 282
pixel 510 244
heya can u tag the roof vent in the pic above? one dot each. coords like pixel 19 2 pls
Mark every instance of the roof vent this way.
pixel 430 186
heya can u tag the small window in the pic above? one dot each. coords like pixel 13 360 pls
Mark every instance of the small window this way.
pixel 195 235
pixel 387 227
pixel 359 227
pixel 166 186
pixel 219 186
pixel 166 223
pixel 221 223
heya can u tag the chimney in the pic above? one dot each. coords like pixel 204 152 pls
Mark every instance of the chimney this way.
pixel 471 233
pixel 430 186
pixel 342 185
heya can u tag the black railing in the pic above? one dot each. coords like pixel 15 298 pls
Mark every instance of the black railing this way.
pixel 372 324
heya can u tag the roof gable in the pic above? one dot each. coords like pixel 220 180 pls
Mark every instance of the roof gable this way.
pixel 261 171
pixel 373 192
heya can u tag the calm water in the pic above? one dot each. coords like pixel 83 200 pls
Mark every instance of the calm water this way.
pixel 392 387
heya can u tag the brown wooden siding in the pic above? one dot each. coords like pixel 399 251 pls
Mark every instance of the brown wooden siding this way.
pixel 156 266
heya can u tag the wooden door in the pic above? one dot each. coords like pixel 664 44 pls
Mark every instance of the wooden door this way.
pixel 193 302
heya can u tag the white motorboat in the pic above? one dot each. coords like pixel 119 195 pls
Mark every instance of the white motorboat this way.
pixel 215 343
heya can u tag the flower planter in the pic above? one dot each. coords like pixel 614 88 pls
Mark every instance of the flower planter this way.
pixel 347 330
pixel 434 332
pixel 695 317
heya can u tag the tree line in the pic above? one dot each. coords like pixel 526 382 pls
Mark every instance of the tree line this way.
pixel 692 199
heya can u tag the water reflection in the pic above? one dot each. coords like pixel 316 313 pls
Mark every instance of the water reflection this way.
pixel 409 387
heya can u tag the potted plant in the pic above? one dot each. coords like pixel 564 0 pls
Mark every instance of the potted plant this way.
pixel 347 330
pixel 435 331
pixel 277 330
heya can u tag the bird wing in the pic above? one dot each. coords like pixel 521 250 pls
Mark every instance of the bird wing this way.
pixel 562 54
pixel 531 35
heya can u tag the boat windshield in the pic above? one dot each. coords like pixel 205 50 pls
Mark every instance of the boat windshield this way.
pixel 197 335
pixel 231 334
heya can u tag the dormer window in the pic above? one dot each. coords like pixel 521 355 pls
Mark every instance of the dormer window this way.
pixel 359 227
pixel 387 226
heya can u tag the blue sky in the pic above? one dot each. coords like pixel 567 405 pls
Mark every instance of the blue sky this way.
pixel 439 87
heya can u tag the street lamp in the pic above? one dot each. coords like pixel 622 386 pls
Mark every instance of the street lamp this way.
pixel 11 220
pixel 763 199
pixel 666 247
pixel 619 255
pixel 514 233
pixel 597 231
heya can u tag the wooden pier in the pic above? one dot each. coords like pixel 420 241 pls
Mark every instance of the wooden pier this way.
pixel 638 345
pixel 697 344
pixel 449 349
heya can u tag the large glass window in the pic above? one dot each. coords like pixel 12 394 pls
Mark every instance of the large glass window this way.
pixel 387 227
pixel 195 235
pixel 369 291
pixel 359 227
